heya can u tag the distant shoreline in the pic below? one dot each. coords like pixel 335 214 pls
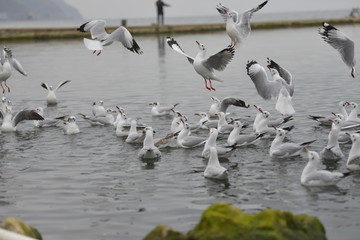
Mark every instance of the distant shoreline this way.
pixel 44 34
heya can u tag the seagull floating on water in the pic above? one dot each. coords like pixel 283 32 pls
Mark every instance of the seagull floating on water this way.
pixel 310 176
pixel 238 26
pixel 185 140
pixel 10 120
pixel 223 105
pixel 51 97
pixel 353 161
pixel 149 151
pixel 158 110
pixel 70 126
pixel 205 66
pixel 214 169
pixel 98 110
pixel 332 150
pixel 100 121
pixel 101 38
pixel 223 152
pixel 47 122
pixel 134 135
pixel 341 42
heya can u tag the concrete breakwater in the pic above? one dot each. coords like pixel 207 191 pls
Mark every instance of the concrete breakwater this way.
pixel 23 34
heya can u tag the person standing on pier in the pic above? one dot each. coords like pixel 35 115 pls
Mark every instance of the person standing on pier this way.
pixel 160 11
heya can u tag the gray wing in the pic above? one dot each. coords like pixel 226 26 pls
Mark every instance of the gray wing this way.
pixel 226 102
pixel 338 40
pixel 244 23
pixel 62 83
pixel 26 115
pixel 96 28
pixel 220 60
pixel 324 176
pixel 122 35
pixel 16 64
pixel 287 149
pixel 285 74
pixel 265 88
pixel 192 141
pixel 224 13
pixel 175 46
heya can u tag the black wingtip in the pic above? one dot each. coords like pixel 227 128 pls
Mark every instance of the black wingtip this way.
pixel 249 64
pixel 135 48
pixel 345 174
pixel 81 28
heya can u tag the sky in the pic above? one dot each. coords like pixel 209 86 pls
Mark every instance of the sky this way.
pixel 124 9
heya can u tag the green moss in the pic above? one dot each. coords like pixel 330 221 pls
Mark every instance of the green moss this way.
pixel 17 225
pixel 163 232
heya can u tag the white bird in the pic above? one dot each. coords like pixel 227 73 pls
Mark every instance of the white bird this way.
pixel 134 135
pixel 51 96
pixel 70 126
pixel 100 121
pixel 310 176
pixel 332 150
pixel 101 38
pixel 205 66
pixel 205 122
pixel 158 110
pixel 325 120
pixel 235 139
pixel 149 151
pixel 223 105
pixel 353 161
pixel 267 89
pixel 353 115
pixel 177 122
pixel 271 122
pixel 185 140
pixel 7 63
pixel 280 149
pixel 223 126
pixel 10 120
pixel 5 103
pixel 223 152
pixel 263 126
pixel 98 110
pixel 341 42
pixel 47 122
pixel 238 26
pixel 122 129
pixel 214 169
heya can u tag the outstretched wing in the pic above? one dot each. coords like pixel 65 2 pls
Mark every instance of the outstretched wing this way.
pixel 62 83
pixel 26 115
pixel 224 11
pixel 244 23
pixel 44 85
pixel 175 46
pixel 96 28
pixel 123 35
pixel 285 74
pixel 220 60
pixel 16 64
pixel 338 40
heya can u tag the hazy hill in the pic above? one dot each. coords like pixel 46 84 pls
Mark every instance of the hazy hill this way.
pixel 37 9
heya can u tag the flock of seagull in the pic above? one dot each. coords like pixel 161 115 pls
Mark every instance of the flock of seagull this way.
pixel 279 85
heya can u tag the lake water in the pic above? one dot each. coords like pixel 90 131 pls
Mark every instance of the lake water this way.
pixel 93 186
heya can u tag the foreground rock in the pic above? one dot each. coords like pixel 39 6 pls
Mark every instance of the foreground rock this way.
pixel 18 226
pixel 222 221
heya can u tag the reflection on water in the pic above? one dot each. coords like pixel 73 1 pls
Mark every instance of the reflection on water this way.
pixel 92 185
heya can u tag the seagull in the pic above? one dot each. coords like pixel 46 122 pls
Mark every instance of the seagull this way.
pixel 263 125
pixel 47 122
pixel 235 139
pixel 70 126
pixel 134 135
pixel 205 122
pixel 7 63
pixel 332 150
pixel 10 120
pixel 273 122
pixel 51 97
pixel 282 150
pixel 222 106
pixel 214 169
pixel 122 129
pixel 310 176
pixel 185 140
pixel 101 38
pixel 353 161
pixel 176 124
pixel 100 121
pixel 223 126
pixel 277 87
pixel 341 42
pixel 238 26
pixel 157 110
pixel 206 66
pixel 223 152
pixel 325 120
pixel 149 151
pixel 98 110
pixel 5 103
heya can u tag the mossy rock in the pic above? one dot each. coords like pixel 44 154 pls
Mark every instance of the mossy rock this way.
pixel 222 221
pixel 163 232
pixel 17 225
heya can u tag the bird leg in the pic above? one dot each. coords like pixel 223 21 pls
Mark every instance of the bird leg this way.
pixel 2 88
pixel 207 85
pixel 94 51
pixel 211 87
pixel 7 87
pixel 98 53
pixel 353 72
